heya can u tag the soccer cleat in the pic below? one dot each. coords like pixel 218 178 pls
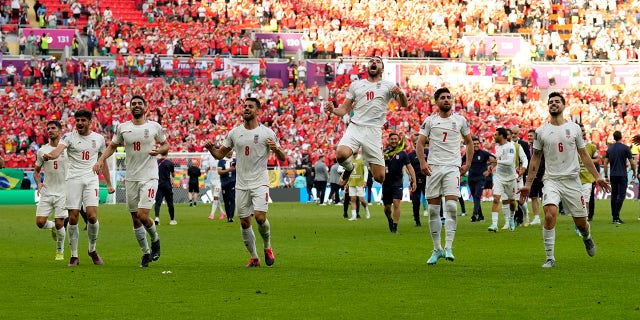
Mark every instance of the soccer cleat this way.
pixel 435 256
pixel 425 213
pixel 269 259
pixel 54 234
pixel 590 246
pixel 535 221
pixel 353 219
pixel 173 222
pixel 253 263
pixel 480 218
pixel 223 215
pixel 146 258
pixel 474 218
pixel 442 220
pixel 157 221
pixel 211 217
pixel 493 227
pixel 550 263
pixel 344 178
pixel 59 256
pixel 463 214
pixel 96 258
pixel 367 215
pixel 506 226
pixel 74 262
pixel 448 255
pixel 512 225
pixel 155 250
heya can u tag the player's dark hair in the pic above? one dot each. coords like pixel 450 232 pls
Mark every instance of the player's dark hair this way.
pixel 83 113
pixel 393 134
pixel 257 102
pixel 531 130
pixel 139 98
pixel 55 123
pixel 557 94
pixel 617 135
pixel 440 91
pixel 475 139
pixel 503 132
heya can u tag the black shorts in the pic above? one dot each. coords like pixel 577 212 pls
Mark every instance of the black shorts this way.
pixel 194 187
pixel 391 193
pixel 536 189
pixel 488 184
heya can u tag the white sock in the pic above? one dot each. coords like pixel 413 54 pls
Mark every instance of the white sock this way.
pixel 92 233
pixel 250 241
pixel 153 233
pixel 451 222
pixel 265 232
pixel 435 225
pixel 354 214
pixel 214 206
pixel 494 218
pixel 73 239
pixel 60 235
pixel 141 236
pixel 549 237
pixel 525 210
pixel 49 225
pixel 506 211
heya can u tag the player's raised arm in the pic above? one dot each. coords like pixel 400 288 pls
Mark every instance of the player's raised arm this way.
pixel 217 153
pixel 341 110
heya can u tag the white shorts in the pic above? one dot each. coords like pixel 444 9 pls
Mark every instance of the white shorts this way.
pixel 506 189
pixel 367 138
pixel 569 191
pixel 141 194
pixel 52 203
pixel 586 191
pixel 443 181
pixel 83 192
pixel 248 201
pixel 356 191
pixel 216 190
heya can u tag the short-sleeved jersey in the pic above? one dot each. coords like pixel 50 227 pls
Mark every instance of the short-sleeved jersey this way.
pixel 252 153
pixel 370 101
pixel 138 141
pixel 445 135
pixel 560 145
pixel 585 175
pixel 83 152
pixel 55 171
pixel 506 162
pixel 394 169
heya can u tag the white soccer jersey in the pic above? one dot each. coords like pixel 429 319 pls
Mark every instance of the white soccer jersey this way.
pixel 138 141
pixel 252 153
pixel 506 166
pixel 370 100
pixel 445 135
pixel 55 171
pixel 560 145
pixel 82 152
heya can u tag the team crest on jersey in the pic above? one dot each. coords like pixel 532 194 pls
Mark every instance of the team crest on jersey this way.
pixel 378 85
pixel 255 139
pixel 567 133
pixel 93 144
pixel 454 126
pixel 146 133
pixel 397 156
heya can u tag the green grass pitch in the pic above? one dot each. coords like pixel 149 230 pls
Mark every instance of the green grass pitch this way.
pixel 326 268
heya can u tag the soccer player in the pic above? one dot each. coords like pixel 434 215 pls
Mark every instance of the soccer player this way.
pixel 368 99
pixel 51 191
pixel 536 187
pixel 504 179
pixel 560 141
pixel 252 142
pixel 586 178
pixel 213 179
pixel 194 174
pixel 617 156
pixel 396 159
pixel 166 173
pixel 143 140
pixel 83 147
pixel 357 181
pixel 444 131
